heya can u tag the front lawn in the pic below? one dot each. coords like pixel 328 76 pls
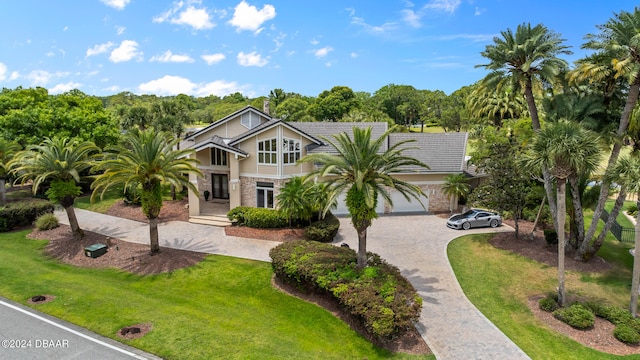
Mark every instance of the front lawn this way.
pixel 499 283
pixel 222 307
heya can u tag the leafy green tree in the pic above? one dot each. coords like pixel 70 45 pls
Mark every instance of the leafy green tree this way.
pixel 626 173
pixel 334 104
pixel 293 200
pixel 137 115
pixel 363 169
pixel 7 150
pixel 146 158
pixel 293 109
pixel 518 60
pixel 61 161
pixel 455 186
pixel 564 148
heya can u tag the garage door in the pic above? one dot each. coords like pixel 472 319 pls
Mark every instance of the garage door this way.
pixel 343 210
pixel 402 205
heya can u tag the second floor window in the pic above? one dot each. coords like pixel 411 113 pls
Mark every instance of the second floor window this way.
pixel 291 151
pixel 267 152
pixel 218 157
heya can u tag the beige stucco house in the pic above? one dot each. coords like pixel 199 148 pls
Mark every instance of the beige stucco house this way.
pixel 247 156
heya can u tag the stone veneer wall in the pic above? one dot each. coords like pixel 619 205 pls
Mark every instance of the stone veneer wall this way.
pixel 204 182
pixel 248 189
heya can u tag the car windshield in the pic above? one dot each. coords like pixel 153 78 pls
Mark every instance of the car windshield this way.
pixel 469 213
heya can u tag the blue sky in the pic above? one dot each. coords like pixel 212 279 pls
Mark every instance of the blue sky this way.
pixel 203 47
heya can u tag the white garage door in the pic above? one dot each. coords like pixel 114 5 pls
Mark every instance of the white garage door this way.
pixel 343 210
pixel 402 205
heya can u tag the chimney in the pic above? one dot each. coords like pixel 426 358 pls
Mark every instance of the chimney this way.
pixel 265 107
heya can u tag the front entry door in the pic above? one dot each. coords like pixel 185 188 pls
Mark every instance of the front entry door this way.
pixel 220 186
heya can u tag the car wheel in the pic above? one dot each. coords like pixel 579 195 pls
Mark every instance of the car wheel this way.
pixel 494 223
pixel 466 225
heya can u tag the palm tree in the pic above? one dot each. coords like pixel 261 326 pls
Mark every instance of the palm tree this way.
pixel 530 55
pixel 617 41
pixel 565 148
pixel 455 186
pixel 626 173
pixel 146 158
pixel 292 201
pixel 60 161
pixel 363 170
pixel 7 150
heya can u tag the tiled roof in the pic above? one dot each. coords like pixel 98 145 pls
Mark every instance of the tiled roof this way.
pixel 324 130
pixel 442 152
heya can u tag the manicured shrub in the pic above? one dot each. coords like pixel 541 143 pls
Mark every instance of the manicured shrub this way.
pixel 262 218
pixel 632 210
pixel 551 237
pixel 47 222
pixel 237 215
pixel 131 195
pixel 23 213
pixel 386 302
pixel 614 314
pixel 626 333
pixel 548 304
pixel 324 230
pixel 576 316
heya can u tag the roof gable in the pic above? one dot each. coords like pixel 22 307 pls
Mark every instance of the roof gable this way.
pixel 228 118
pixel 270 125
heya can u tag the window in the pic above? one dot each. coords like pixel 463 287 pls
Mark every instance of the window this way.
pixel 290 151
pixel 218 157
pixel 267 152
pixel 250 120
pixel 264 196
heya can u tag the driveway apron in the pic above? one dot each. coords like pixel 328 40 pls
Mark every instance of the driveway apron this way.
pixel 452 327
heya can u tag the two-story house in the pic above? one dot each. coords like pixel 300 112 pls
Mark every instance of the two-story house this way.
pixel 247 156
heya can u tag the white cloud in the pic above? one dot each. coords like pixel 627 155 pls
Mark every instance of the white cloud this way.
pixel 120 30
pixel 3 71
pixel 174 85
pixel 197 18
pixel 112 89
pixel 248 17
pixel 374 29
pixel 411 18
pixel 116 4
pixel 168 56
pixel 213 58
pixel 479 11
pixel 43 77
pixel 319 53
pixel 60 88
pixel 127 50
pixel 354 55
pixel 449 6
pixel 50 54
pixel 14 75
pixel 251 59
pixel 99 49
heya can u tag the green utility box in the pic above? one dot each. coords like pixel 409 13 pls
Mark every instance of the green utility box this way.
pixel 95 250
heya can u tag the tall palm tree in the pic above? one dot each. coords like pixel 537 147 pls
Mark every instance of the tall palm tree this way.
pixel 146 158
pixel 617 40
pixel 530 55
pixel 60 161
pixel 626 173
pixel 455 186
pixel 363 169
pixel 7 150
pixel 564 148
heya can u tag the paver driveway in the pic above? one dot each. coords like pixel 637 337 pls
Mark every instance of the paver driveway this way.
pixel 451 325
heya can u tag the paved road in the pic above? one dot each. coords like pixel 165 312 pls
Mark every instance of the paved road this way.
pixel 29 334
pixel 449 323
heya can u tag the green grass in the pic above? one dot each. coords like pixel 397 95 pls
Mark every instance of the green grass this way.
pixel 481 268
pixel 221 307
pixel 98 205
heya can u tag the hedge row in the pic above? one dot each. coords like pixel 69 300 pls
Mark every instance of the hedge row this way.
pixel 23 213
pixel 386 302
pixel 260 218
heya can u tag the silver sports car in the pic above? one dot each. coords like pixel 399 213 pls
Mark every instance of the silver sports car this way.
pixel 474 218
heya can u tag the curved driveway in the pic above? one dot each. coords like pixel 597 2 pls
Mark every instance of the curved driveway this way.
pixel 449 323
